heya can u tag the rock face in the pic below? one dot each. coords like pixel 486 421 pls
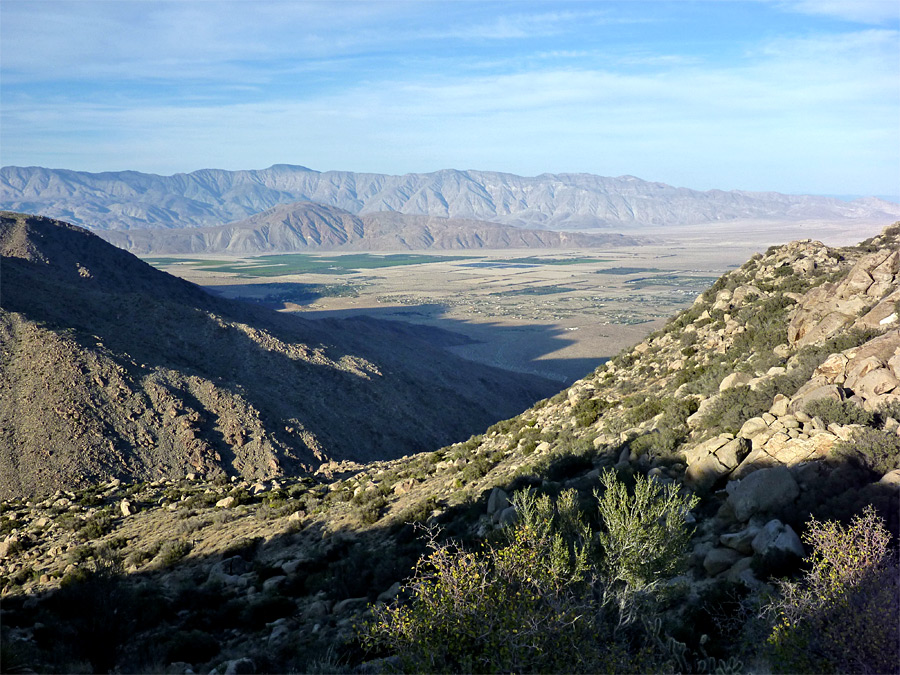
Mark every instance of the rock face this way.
pixel 870 374
pixel 129 199
pixel 866 298
pixel 112 368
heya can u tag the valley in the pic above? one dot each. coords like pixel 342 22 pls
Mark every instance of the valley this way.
pixel 553 313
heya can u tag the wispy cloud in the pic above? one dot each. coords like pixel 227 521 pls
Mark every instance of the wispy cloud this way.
pixel 861 11
pixel 608 88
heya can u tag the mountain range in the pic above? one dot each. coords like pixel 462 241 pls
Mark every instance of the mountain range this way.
pixel 308 226
pixel 124 200
pixel 111 368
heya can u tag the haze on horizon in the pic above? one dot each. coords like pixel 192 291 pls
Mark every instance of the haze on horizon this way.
pixel 794 96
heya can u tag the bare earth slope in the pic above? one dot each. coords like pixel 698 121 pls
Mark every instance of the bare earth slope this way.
pixel 129 199
pixel 111 368
pixel 304 226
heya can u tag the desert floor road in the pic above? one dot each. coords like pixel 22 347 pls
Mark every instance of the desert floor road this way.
pixel 554 313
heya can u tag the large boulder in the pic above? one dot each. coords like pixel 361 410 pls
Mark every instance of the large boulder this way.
pixel 765 490
pixel 776 537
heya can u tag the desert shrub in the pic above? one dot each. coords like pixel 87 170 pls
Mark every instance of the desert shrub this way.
pixel 645 533
pixel 522 607
pixel 96 526
pixel 875 449
pixel 368 505
pixel 172 551
pixel 90 618
pixel 889 409
pixel 734 407
pixel 660 442
pixel 844 614
pixel 839 412
pixel 139 556
pixel 260 611
pixel 527 603
pixel 586 412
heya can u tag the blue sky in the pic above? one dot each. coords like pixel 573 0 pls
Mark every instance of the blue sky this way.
pixel 799 96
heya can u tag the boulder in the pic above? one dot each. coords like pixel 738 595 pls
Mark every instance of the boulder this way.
pixel 763 490
pixel 874 383
pixel 497 501
pixel 742 541
pixel 706 448
pixel 776 537
pixel 125 508
pixel 742 573
pixel 704 473
pixel 390 593
pixel 891 478
pixel 226 503
pixel 780 405
pixel 733 452
pixel 242 666
pixel 734 380
pixel 720 559
pixel 272 583
pixel 826 391
pixel 508 516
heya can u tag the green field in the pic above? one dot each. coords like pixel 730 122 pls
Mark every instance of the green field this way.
pixel 629 270
pixel 538 260
pixel 301 263
pixel 696 282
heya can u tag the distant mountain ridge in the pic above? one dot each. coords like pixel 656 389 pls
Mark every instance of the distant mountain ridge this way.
pixel 210 197
pixel 305 226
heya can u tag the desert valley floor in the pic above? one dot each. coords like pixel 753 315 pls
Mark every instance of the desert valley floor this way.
pixel 555 313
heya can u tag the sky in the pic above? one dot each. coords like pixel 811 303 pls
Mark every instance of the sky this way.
pixel 794 96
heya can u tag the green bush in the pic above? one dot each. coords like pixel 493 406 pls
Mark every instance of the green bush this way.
pixel 523 607
pixel 528 603
pixel 734 407
pixel 172 551
pixel 844 614
pixel 839 412
pixel 96 526
pixel 877 450
pixel 645 534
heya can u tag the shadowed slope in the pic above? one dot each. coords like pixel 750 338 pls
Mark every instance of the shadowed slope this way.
pixel 112 368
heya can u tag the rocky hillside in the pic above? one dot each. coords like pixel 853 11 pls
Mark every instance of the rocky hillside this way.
pixel 307 226
pixel 110 368
pixel 128 199
pixel 774 399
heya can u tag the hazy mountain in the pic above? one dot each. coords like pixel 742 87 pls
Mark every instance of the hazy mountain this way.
pixel 129 199
pixel 112 368
pixel 306 226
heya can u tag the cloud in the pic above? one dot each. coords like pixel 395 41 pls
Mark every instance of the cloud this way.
pixel 796 114
pixel 859 11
